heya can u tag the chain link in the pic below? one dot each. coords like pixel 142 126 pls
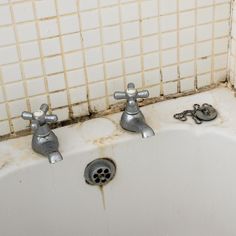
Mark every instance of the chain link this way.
pixel 182 116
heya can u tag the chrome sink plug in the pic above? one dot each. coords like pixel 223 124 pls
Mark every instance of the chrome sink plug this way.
pixel 132 118
pixel 44 141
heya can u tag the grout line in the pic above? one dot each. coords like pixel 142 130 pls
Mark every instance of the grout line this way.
pixel 63 62
pixel 20 62
pixel 111 95
pixel 178 48
pixel 115 42
pixel 141 42
pixel 160 46
pixel 109 6
pixel 11 128
pixel 41 56
pixel 114 25
pixel 195 46
pixel 114 78
pixel 230 46
pixel 116 60
pixel 230 42
pixel 213 45
pixel 103 53
pixel 124 75
pixel 85 68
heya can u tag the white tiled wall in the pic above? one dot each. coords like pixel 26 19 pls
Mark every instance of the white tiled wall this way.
pixel 73 54
pixel 232 58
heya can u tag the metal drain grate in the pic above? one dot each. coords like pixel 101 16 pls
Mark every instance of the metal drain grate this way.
pixel 100 171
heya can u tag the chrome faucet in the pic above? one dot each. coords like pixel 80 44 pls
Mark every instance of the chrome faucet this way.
pixel 44 141
pixel 132 118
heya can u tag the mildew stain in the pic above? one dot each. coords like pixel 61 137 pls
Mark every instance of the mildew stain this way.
pixel 118 107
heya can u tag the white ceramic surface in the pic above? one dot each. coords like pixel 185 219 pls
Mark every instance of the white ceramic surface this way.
pixel 182 182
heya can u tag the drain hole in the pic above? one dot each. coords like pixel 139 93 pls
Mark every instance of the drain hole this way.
pixel 95 176
pixel 108 176
pixel 100 171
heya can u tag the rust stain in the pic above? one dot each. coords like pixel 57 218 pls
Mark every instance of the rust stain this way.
pixel 103 197
pixel 108 139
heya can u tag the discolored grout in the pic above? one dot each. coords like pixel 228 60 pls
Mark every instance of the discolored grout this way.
pixel 116 108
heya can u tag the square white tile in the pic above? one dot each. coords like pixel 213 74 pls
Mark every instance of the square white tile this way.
pixel 45 8
pixel 110 15
pixel 5 15
pixel 23 11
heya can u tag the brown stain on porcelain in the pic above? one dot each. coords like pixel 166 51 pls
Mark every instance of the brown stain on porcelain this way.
pixel 102 196
pixel 106 140
pixel 29 155
pixel 24 148
pixel 100 142
pixel 21 144
pixel 4 163
pixel 6 159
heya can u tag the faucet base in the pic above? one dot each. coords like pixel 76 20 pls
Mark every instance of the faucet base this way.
pixel 136 123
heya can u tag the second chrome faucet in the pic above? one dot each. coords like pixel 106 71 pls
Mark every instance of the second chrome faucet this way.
pixel 132 118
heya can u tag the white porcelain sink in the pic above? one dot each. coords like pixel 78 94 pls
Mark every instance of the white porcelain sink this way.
pixel 181 182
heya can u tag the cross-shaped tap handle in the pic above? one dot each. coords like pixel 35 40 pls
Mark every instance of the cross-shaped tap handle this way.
pixel 39 117
pixel 131 93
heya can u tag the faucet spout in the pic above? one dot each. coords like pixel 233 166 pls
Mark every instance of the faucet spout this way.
pixel 55 157
pixel 145 130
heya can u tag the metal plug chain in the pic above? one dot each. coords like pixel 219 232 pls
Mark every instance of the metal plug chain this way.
pixel 206 112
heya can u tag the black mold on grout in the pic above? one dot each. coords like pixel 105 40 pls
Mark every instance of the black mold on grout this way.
pixel 118 107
